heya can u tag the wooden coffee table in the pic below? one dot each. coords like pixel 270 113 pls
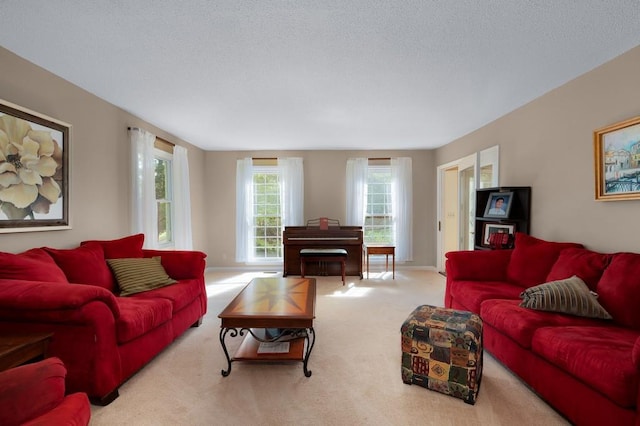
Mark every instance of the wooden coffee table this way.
pixel 283 306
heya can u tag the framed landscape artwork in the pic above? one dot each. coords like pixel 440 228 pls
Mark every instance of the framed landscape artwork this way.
pixel 496 228
pixel 617 161
pixel 34 171
pixel 498 205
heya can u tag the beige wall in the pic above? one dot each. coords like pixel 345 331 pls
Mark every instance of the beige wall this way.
pixel 324 196
pixel 548 145
pixel 99 157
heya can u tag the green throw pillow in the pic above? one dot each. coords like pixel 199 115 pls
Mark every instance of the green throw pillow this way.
pixel 570 296
pixel 135 275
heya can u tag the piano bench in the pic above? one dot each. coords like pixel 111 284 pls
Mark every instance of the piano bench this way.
pixel 322 256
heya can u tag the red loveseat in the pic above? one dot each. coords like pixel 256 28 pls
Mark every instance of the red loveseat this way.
pixel 102 338
pixel 34 394
pixel 587 369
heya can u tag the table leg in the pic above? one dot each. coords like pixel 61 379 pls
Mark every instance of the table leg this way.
pixel 367 264
pixel 393 258
pixel 223 335
pixel 310 343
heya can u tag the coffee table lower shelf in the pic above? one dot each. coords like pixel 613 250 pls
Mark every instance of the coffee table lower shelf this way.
pixel 248 351
pixel 299 348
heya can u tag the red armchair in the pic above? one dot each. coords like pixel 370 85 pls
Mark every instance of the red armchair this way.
pixel 33 394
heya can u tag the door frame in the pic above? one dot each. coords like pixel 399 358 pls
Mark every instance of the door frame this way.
pixel 462 164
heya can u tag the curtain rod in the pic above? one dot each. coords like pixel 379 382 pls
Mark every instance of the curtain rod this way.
pixel 379 158
pixel 264 158
pixel 134 128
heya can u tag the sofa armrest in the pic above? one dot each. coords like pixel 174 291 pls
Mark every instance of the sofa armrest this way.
pixel 180 264
pixel 35 296
pixel 635 354
pixel 82 319
pixel 479 265
pixel 74 410
pixel 31 390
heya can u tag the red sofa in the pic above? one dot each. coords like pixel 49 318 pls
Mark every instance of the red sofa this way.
pixel 587 369
pixel 101 337
pixel 34 394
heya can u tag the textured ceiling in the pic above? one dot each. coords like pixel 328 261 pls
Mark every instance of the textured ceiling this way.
pixel 350 74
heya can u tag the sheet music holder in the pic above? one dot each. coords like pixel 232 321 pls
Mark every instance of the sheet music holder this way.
pixel 323 223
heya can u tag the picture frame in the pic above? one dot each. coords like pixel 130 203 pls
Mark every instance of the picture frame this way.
pixel 490 228
pixel 34 170
pixel 498 205
pixel 617 161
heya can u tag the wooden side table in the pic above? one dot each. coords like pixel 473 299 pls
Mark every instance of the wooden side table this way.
pixel 387 251
pixel 18 349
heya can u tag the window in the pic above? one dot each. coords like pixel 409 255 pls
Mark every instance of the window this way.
pixel 269 196
pixel 379 198
pixel 160 192
pixel 267 217
pixel 378 221
pixel 164 197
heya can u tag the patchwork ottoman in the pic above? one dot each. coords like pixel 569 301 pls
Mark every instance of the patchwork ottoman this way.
pixel 442 351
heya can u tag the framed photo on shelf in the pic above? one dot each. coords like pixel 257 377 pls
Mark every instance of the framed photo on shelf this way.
pixel 617 158
pixel 34 170
pixel 496 228
pixel 498 205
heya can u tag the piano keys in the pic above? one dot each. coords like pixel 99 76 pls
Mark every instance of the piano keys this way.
pixel 296 238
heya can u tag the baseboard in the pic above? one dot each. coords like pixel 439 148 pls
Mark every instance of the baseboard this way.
pixel 277 270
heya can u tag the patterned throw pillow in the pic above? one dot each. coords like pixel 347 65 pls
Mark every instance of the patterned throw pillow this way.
pixel 135 275
pixel 570 296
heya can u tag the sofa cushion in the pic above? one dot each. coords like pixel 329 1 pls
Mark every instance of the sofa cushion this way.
pixel 32 265
pixel 569 296
pixel 518 323
pixel 136 275
pixel 586 264
pixel 477 265
pixel 126 247
pixel 619 289
pixel 180 264
pixel 84 265
pixel 471 294
pixel 533 258
pixel 138 316
pixel 180 294
pixel 597 356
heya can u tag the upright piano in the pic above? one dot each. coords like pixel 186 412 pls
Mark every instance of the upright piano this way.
pixel 296 238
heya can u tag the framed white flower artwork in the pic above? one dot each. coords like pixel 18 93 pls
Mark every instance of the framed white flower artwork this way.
pixel 34 171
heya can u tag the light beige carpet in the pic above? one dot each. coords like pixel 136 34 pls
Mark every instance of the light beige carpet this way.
pixel 355 364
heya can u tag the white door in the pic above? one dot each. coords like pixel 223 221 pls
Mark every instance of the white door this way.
pixel 450 220
pixel 456 195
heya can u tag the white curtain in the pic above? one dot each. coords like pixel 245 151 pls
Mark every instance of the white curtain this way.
pixel 292 191
pixel 183 237
pixel 356 191
pixel 244 207
pixel 402 206
pixel 144 215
